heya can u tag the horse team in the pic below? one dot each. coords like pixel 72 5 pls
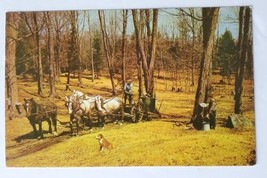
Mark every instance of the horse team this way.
pixel 81 109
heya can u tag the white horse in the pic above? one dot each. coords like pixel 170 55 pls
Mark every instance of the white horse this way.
pixel 80 110
pixel 109 106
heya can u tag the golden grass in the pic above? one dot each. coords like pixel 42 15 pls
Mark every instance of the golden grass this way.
pixel 154 143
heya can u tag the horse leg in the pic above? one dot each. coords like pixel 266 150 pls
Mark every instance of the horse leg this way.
pixel 122 118
pixel 34 129
pixel 71 128
pixel 77 125
pixel 74 120
pixel 90 123
pixel 49 124
pixel 121 115
pixel 71 124
pixel 54 122
pixel 83 122
pixel 41 130
pixel 101 119
pixel 114 119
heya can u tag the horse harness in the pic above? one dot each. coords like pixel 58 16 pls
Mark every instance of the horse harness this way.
pixel 38 112
pixel 79 104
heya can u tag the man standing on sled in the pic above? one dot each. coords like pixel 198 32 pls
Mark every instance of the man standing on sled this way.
pixel 128 91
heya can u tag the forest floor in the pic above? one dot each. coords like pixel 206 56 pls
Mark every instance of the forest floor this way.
pixel 160 142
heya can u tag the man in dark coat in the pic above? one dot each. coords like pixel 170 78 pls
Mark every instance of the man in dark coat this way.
pixel 128 91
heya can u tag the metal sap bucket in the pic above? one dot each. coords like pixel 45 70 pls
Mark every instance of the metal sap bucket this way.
pixel 206 126
pixel 149 103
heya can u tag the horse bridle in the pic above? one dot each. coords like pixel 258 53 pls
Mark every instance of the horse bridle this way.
pixel 77 108
pixel 26 105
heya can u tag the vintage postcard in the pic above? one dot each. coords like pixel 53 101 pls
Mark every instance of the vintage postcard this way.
pixel 130 87
pixel 133 89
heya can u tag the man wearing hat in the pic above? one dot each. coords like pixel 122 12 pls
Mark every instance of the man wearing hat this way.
pixel 212 113
pixel 128 91
pixel 198 120
pixel 206 113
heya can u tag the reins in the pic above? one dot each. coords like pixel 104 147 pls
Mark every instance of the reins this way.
pixel 108 100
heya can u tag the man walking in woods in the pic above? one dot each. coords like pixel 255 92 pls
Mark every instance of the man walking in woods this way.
pixel 128 91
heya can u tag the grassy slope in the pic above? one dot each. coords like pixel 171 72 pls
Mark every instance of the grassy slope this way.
pixel 146 143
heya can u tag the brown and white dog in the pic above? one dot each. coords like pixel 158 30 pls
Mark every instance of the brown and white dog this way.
pixel 103 143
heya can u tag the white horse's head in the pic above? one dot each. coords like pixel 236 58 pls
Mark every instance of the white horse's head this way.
pixel 69 104
pixel 78 94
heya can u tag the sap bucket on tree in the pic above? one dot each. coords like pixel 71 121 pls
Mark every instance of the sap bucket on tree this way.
pixel 206 126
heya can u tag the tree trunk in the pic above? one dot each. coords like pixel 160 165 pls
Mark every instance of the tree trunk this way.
pixel 39 54
pixel 51 56
pixel 192 11
pixel 78 44
pixel 140 83
pixel 124 16
pixel 139 62
pixel 34 29
pixel 106 43
pixel 40 67
pixel 11 78
pixel 193 55
pixel 72 47
pixel 147 62
pixel 80 65
pixel 58 48
pixel 92 59
pixel 91 49
pixel 153 53
pixel 242 56
pixel 68 80
pixel 203 93
pixel 148 33
pixel 57 56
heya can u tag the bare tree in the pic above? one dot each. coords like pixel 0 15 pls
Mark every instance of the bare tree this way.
pixel 148 61
pixel 51 55
pixel 190 25
pixel 193 30
pixel 243 47
pixel 107 48
pixel 203 93
pixel 80 17
pixel 11 78
pixel 91 47
pixel 140 33
pixel 35 29
pixel 124 26
pixel 60 29
pixel 73 49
